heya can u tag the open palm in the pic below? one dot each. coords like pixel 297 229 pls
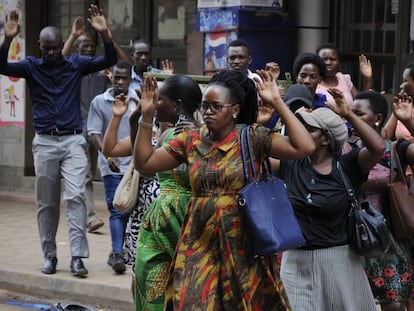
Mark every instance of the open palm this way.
pixel 11 27
pixel 119 105
pixel 97 19
pixel 402 107
pixel 149 96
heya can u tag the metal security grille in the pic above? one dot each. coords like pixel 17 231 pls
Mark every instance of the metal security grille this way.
pixel 368 27
pixel 64 12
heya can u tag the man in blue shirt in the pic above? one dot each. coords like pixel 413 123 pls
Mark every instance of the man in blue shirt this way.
pixel 58 146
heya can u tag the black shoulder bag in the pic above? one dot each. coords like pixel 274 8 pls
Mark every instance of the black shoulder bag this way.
pixel 367 228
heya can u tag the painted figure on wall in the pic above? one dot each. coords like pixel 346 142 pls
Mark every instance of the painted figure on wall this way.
pixel 11 98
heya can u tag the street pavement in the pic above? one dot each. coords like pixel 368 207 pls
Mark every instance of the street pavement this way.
pixel 21 260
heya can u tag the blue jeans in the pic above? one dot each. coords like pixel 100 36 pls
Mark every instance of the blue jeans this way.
pixel 117 219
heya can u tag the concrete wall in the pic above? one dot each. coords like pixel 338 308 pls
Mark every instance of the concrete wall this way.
pixel 11 157
pixel 15 149
pixel 311 21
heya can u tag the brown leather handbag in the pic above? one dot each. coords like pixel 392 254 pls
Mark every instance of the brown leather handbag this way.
pixel 401 192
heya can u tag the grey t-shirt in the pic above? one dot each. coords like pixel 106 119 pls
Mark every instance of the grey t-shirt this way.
pixel 100 114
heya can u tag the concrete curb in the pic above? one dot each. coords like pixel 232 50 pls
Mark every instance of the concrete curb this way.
pixel 22 259
pixel 98 295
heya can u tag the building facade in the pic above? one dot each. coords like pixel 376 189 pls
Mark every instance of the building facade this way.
pixel 381 29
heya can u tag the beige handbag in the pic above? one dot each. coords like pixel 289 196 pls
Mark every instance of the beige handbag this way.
pixel 126 194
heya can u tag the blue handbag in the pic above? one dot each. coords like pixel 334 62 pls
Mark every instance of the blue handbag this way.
pixel 271 221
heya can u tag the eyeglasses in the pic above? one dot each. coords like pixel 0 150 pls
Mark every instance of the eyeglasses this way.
pixel 214 107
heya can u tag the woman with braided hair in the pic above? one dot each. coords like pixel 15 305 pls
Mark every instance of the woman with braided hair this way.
pixel 213 267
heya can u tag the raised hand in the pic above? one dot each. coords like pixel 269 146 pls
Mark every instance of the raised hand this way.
pixel 97 19
pixel 149 96
pixel 341 108
pixel 78 26
pixel 108 73
pixel 11 26
pixel 167 66
pixel 119 105
pixel 365 68
pixel 267 88
pixel 274 69
pixel 402 107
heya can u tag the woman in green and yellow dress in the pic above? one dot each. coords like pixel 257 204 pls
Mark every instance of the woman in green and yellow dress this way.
pixel 178 98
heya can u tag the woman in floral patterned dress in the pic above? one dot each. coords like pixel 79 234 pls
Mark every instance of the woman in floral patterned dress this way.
pixel 391 274
pixel 213 267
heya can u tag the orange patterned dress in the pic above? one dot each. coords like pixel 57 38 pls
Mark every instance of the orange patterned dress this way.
pixel 214 268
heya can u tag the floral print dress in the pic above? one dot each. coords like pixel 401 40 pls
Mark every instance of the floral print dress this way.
pixel 213 267
pixel 391 274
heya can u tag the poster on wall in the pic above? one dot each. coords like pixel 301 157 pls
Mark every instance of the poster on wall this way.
pixel 12 90
pixel 215 50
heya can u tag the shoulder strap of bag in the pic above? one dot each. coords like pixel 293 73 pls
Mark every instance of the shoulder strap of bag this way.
pixel 243 154
pixel 246 151
pixel 395 161
pixel 349 189
pixel 249 149
pixel 246 143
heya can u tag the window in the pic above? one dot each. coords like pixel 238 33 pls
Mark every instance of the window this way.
pixel 368 27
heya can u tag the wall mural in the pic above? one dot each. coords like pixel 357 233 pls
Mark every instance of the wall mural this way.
pixel 12 90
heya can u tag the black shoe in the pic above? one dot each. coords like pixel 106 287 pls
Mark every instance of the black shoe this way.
pixel 110 260
pixel 49 267
pixel 116 261
pixel 77 268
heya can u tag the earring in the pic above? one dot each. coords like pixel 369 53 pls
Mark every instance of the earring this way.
pixel 235 116
pixel 377 124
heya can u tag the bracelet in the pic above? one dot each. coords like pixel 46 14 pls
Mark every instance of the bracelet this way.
pixel 145 124
pixel 108 159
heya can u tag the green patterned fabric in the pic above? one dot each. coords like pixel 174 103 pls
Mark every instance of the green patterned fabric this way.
pixel 158 236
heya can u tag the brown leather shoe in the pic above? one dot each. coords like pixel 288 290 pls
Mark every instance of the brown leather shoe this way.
pixel 94 225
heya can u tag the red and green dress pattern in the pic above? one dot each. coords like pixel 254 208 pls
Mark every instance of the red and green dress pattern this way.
pixel 213 268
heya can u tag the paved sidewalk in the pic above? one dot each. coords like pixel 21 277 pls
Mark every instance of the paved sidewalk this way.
pixel 21 259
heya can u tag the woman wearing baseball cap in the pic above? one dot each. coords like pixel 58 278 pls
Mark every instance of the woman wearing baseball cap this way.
pixel 326 273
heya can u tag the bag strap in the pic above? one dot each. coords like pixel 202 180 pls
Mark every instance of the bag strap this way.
pixel 246 143
pixel 395 160
pixel 243 154
pixel 349 189
pixel 250 150
pixel 246 150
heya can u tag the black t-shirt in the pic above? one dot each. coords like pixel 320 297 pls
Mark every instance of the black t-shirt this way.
pixel 320 201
